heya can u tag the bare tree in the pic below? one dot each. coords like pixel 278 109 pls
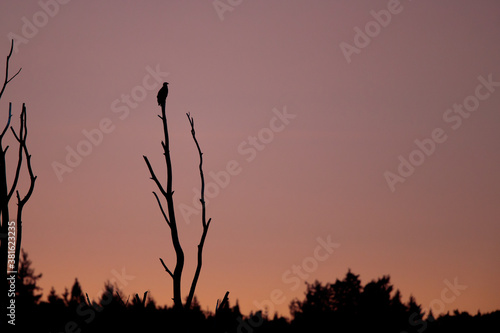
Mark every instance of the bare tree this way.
pixel 169 215
pixel 7 228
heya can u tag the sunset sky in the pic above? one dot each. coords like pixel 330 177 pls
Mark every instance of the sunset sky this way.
pixel 371 126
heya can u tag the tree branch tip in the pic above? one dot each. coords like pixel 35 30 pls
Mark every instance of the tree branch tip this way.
pixel 166 268
pixel 88 300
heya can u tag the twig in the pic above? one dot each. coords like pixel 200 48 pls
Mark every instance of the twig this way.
pixel 166 268
pixel 161 208
pixel 88 300
pixel 153 176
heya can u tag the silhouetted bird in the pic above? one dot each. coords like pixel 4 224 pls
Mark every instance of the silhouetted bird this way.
pixel 162 94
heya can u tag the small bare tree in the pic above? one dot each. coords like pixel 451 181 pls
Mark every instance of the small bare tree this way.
pixel 169 216
pixel 7 229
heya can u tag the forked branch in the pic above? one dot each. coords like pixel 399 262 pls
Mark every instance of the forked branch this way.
pixel 23 150
pixel 7 79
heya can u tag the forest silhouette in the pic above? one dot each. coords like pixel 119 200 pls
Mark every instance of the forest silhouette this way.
pixel 345 305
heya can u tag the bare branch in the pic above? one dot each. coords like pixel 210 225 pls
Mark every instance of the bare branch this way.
pixel 23 135
pixel 154 178
pixel 15 134
pixel 7 79
pixel 161 208
pixel 204 222
pixel 21 202
pixel 22 142
pixel 8 123
pixel 166 268
pixel 19 71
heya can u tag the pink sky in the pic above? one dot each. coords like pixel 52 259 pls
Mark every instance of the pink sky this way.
pixel 321 172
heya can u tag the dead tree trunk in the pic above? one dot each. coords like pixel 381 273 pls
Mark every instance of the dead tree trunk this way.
pixel 9 254
pixel 169 217
pixel 171 221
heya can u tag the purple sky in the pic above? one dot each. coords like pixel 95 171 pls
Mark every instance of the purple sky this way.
pixel 375 131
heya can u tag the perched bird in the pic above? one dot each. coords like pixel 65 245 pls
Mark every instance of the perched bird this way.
pixel 162 94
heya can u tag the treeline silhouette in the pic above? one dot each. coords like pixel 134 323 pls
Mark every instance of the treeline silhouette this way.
pixel 343 306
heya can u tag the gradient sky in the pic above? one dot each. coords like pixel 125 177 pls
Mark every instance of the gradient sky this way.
pixel 320 174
